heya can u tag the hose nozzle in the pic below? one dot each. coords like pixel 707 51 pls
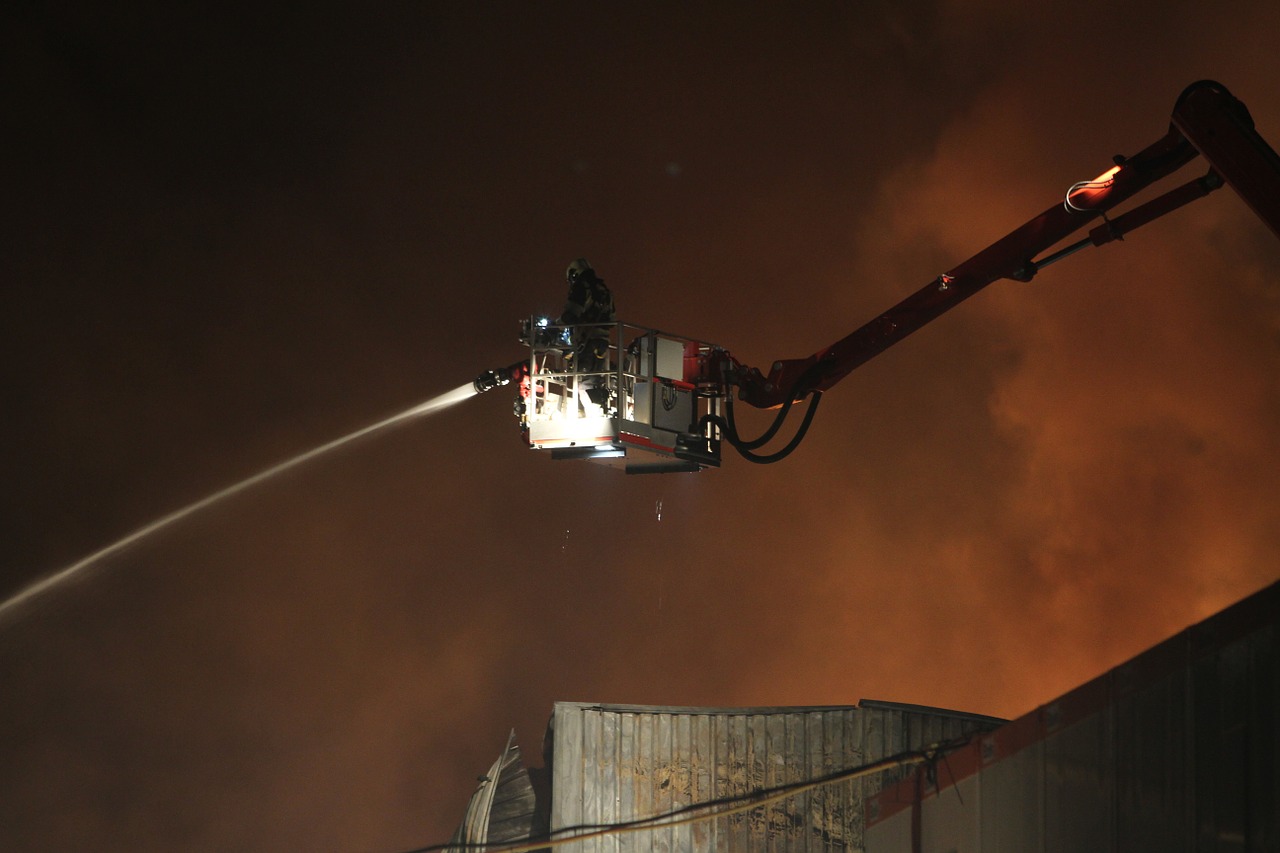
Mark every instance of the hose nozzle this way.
pixel 499 376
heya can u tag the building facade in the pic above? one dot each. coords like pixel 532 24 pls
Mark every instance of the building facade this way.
pixel 1174 751
pixel 612 765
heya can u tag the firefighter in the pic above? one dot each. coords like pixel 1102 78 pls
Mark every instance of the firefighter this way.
pixel 589 304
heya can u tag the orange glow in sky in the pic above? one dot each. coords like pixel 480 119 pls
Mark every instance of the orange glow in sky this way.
pixel 233 241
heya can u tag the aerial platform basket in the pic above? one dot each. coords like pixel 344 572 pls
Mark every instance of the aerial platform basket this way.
pixel 622 395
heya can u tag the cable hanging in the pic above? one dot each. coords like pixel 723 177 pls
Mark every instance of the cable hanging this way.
pixel 689 814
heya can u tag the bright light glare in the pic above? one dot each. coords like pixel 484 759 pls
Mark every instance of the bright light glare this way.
pixel 1104 180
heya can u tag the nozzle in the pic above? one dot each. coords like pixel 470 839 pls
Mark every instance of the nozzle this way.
pixel 499 376
pixel 491 379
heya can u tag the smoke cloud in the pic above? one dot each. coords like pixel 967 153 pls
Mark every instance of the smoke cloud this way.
pixel 236 241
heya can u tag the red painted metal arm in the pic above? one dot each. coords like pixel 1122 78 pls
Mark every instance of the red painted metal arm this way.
pixel 1220 127
pixel 1206 117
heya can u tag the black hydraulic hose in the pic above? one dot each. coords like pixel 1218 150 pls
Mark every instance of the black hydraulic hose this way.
pixel 768 434
pixel 729 426
pixel 744 448
pixel 805 380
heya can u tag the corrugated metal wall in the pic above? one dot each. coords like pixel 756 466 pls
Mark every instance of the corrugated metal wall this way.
pixel 1175 751
pixel 617 763
pixel 503 807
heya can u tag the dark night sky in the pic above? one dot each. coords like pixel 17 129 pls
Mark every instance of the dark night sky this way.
pixel 234 236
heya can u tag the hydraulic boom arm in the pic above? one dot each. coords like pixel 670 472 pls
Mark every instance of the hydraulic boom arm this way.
pixel 648 401
pixel 1207 120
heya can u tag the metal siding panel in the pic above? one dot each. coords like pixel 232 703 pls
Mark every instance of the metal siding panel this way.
pixel 786 756
pixel 1233 747
pixel 640 772
pixel 895 737
pixel 915 731
pixel 1216 760
pixel 818 758
pixel 1079 788
pixel 860 731
pixel 814 811
pixel 625 762
pixel 1204 721
pixel 1180 754
pixel 588 774
pixel 941 729
pixel 776 832
pixel 756 762
pixel 851 795
pixel 1012 803
pixel 794 764
pixel 1235 754
pixel 833 756
pixel 846 729
pixel 739 829
pixel 702 833
pixel 772 826
pixel 640 769
pixel 935 730
pixel 724 741
pixel 844 750
pixel 1150 791
pixel 685 788
pixel 1264 781
pixel 752 779
pixel 587 778
pixel 848 795
pixel 949 823
pixel 592 762
pixel 872 734
pixel 625 796
pixel 607 775
pixel 893 835
pixel 878 735
pixel 660 779
pixel 948 729
pixel 836 756
pixel 567 770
